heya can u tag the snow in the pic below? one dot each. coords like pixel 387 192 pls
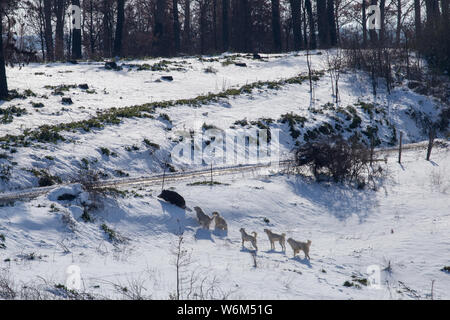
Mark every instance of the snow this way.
pixel 403 224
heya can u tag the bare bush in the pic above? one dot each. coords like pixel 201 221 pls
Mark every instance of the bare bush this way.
pixel 7 287
pixel 338 159
pixel 335 64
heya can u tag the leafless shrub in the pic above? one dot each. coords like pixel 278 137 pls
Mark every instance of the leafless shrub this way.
pixel 7 287
pixel 133 290
pixel 69 221
pixel 338 159
pixel 439 180
pixel 335 64
pixel 196 285
pixel 182 258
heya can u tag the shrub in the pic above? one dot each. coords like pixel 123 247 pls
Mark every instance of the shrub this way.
pixel 337 158
pixel 2 241
pixel 105 151
pixel 5 172
pixel 86 217
pixel 113 236
pixel 46 179
pixel 148 143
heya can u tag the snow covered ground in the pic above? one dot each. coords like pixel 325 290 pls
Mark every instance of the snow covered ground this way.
pixel 404 224
pixel 401 228
pixel 116 146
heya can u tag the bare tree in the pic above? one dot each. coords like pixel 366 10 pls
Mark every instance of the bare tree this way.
pixel 48 31
pixel 119 28
pixel 3 80
pixel 335 63
pixel 296 23
pixel 176 26
pixel 225 25
pixel 59 34
pixel 182 259
pixel 76 35
pixel 276 25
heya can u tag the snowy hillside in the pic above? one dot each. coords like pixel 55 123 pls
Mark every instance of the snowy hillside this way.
pixel 120 116
pixel 404 224
pixel 125 122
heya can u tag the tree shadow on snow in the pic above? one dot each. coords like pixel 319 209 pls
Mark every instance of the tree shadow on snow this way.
pixel 339 200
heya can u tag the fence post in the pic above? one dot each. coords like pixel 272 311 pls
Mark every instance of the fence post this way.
pixel 400 148
pixel 211 174
pixel 430 143
pixel 164 177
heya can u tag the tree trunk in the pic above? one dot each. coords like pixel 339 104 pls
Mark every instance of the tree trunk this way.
pixel 364 23
pixel 296 23
pixel 118 40
pixel 176 26
pixel 203 29
pixel 445 10
pixel 59 36
pixel 372 32
pixel 76 37
pixel 107 32
pixel 91 28
pixel 399 22
pixel 383 25
pixel 331 23
pixel 241 23
pixel 187 25
pixel 160 45
pixel 305 28
pixel 432 7
pixel 276 25
pixel 312 32
pixel 417 19
pixel 322 24
pixel 41 29
pixel 225 25
pixel 215 24
pixel 48 30
pixel 3 80
pixel 246 26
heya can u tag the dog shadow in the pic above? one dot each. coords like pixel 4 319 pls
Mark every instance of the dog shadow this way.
pixel 304 261
pixel 275 251
pixel 220 233
pixel 245 249
pixel 203 234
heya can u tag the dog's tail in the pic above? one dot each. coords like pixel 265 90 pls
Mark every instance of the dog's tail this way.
pixel 254 234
